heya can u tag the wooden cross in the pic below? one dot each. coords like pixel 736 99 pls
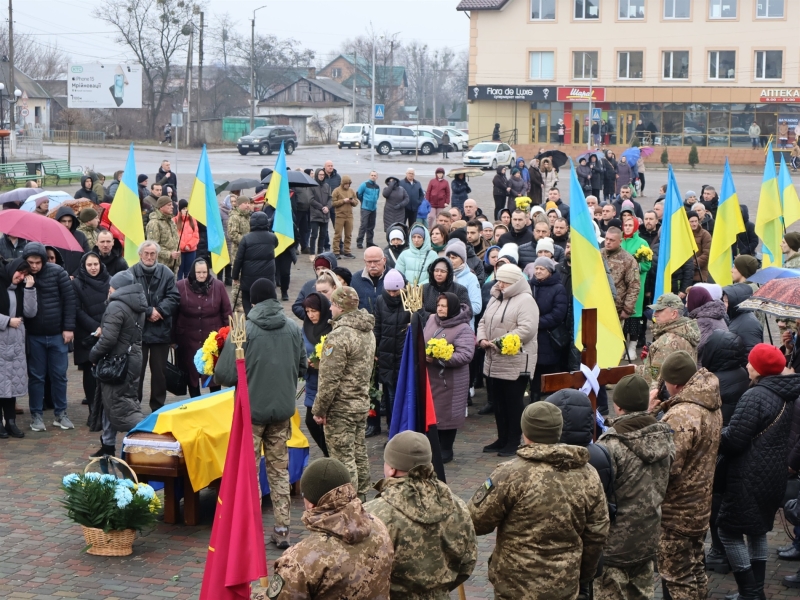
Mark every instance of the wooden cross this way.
pixel 576 379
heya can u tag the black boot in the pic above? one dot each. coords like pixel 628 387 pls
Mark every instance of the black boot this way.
pixel 373 427
pixel 746 582
pixel 760 573
pixel 665 590
pixel 446 440
pixel 104 451
pixel 3 432
pixel 487 409
pixel 12 429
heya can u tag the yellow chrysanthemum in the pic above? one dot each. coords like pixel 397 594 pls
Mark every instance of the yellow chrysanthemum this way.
pixel 439 348
pixel 643 254
pixel 523 203
pixel 318 348
pixel 510 344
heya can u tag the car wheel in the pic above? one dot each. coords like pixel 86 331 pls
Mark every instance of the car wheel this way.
pixel 384 148
pixel 242 152
pixel 426 149
pixel 340 146
pixel 265 149
pixel 494 164
pixel 289 147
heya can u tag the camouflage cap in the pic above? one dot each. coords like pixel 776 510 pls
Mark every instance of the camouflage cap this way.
pixel 668 301
pixel 345 298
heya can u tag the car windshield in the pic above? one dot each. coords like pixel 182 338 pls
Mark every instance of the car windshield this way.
pixel 485 147
pixel 351 128
pixel 259 131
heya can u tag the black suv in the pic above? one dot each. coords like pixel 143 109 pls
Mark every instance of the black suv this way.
pixel 267 139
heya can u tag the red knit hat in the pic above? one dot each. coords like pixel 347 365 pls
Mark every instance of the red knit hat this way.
pixel 767 360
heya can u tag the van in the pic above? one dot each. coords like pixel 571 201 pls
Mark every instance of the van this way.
pixel 389 138
pixel 354 135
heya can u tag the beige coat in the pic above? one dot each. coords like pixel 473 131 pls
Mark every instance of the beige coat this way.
pixel 518 313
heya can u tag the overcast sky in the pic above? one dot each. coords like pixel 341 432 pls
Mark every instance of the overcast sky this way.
pixel 321 25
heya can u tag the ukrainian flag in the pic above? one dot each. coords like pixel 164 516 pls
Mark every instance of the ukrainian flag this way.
pixel 728 225
pixel 677 241
pixel 590 287
pixel 769 224
pixel 789 200
pixel 278 198
pixel 126 211
pixel 203 207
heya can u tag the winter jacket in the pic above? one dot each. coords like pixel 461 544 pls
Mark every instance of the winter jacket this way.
pixel 91 296
pixel 511 311
pixel 625 272
pixel 84 193
pixel 392 253
pixel 256 255
pixel 549 181
pixel 710 318
pixel 320 198
pixel 55 297
pixel 72 258
pixel 703 240
pixel 680 334
pixel 512 236
pixel 460 191
pixel 413 263
pixel 22 302
pixel 631 245
pixel 367 289
pixel 755 445
pixel 368 194
pixel 162 229
pixel 113 261
pixel 596 175
pixel 518 189
pixel 167 179
pixel 535 187
pixel 438 192
pixel 9 251
pixel 238 227
pixel 466 278
pixel 499 185
pixel 584 174
pixel 161 294
pixel 527 254
pixel 90 232
pixel 394 209
pixel 743 323
pixel 624 175
pixel 275 357
pixel 747 241
pixel 189 233
pixel 794 440
pixel 432 290
pixel 723 355
pixel 696 420
pixel 637 208
pixel 122 326
pixel 449 379
pixel 391 322
pixel 415 194
pixel 551 298
pixel 310 286
pixel 303 196
pixel 344 200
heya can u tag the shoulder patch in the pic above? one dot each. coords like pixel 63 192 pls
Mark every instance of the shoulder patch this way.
pixel 328 350
pixel 483 491
pixel 276 584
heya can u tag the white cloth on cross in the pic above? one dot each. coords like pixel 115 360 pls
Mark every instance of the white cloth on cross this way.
pixel 591 375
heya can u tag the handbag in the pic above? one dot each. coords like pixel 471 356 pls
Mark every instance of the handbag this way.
pixel 177 380
pixel 112 368
pixel 89 341
pixel 559 336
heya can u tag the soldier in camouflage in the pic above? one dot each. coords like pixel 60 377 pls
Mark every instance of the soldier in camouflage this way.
pixel 641 452
pixel 434 540
pixel 162 230
pixel 238 227
pixel 624 272
pixel 345 371
pixel 89 225
pixel 671 333
pixel 348 553
pixel 550 512
pixel 694 413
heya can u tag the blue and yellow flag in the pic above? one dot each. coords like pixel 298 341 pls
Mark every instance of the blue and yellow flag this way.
pixel 278 198
pixel 769 222
pixel 728 225
pixel 126 211
pixel 203 207
pixel 677 240
pixel 789 200
pixel 590 288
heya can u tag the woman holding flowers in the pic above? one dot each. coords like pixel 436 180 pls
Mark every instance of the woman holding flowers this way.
pixel 450 346
pixel 639 249
pixel 316 325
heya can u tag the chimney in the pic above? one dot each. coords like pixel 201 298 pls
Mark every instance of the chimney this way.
pixel 312 72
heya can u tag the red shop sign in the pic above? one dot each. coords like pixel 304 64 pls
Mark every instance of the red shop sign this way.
pixel 580 94
pixel 780 95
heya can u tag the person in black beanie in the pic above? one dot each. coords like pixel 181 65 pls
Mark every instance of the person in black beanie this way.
pixel 144 192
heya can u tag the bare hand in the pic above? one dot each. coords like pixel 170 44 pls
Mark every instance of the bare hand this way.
pixel 98 332
pixel 429 359
pixel 681 295
pixel 623 315
pixel 321 420
pixel 68 336
pixel 325 210
pixel 175 254
pixel 29 282
pixel 15 322
pixel 156 316
pixel 235 282
pixel 654 401
pixel 485 344
pixel 787 339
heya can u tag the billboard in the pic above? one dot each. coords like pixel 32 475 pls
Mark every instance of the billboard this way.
pixel 95 85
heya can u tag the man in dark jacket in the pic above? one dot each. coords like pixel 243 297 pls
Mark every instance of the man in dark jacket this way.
pixel 49 335
pixel 11 247
pixel 165 176
pixel 114 186
pixel 276 359
pixel 747 241
pixel 368 282
pixel 109 249
pixel 163 299
pixel 519 233
pixel 255 258
pixel 86 189
pixel 326 260
pixel 143 191
pixel 554 195
pixel 415 196
pixel 72 258
pixel 302 213
pixel 626 195
pixel 743 323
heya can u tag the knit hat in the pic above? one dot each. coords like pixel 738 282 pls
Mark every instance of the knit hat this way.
pixel 627 206
pixel 546 244
pixel 767 360
pixel 678 368
pixel 345 298
pixel 537 209
pixel 87 214
pixel 691 214
pixel 792 240
pixel 458 248
pixel 632 394
pixel 262 289
pixel 697 297
pixel 321 261
pixel 322 476
pixel 689 194
pixel 714 290
pixel 550 205
pixel 545 262
pixel 393 281
pixel 407 450
pixel 242 200
pixel 509 274
pixel 667 301
pixel 746 265
pixel 396 234
pixel 183 204
pixel 488 225
pixel 542 423
pixel 142 178
pixel 344 273
pixel 509 250
pixel 122 279
pixel 163 201
pixel 514 171
pixel 417 230
pixel 458 224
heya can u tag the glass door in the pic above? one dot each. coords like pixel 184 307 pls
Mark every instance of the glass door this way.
pixel 580 127
pixel 540 127
pixel 626 126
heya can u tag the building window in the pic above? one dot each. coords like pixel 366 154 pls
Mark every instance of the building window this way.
pixel 543 10
pixel 542 65
pixel 676 64
pixel 631 9
pixel 584 65
pixel 722 9
pixel 769 64
pixel 587 9
pixel 677 9
pixel 722 64
pixel 769 9
pixel 336 73
pixel 630 65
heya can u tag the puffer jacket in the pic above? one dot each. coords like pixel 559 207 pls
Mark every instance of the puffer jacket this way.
pixel 466 278
pixel 553 302
pixel 432 290
pixel 755 444
pixel 161 293
pixel 743 323
pixel 723 355
pixel 310 286
pixel 710 318
pixel 72 258
pixel 527 254
pixel 511 311
pixel 394 209
pixel 680 334
pixel 391 322
pixel 13 366
pixel 91 296
pixel 413 263
pixel 460 191
pixel 415 194
pixel 55 296
pixel 320 198
pixel 83 192
pixel 256 255
pixel 368 194
pixel 499 184
pixel 438 192
pixel 519 188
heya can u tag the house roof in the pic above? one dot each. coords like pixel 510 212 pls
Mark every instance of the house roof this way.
pixel 482 4
pixel 328 85
pixel 395 75
pixel 21 82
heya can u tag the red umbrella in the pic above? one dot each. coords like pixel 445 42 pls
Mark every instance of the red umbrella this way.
pixel 779 297
pixel 36 228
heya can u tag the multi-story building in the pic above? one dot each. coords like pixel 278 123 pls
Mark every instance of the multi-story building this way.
pixel 682 72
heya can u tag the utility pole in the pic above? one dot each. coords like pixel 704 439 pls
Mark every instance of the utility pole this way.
pixel 372 127
pixel 12 87
pixel 253 94
pixel 189 88
pixel 199 136
pixel 355 76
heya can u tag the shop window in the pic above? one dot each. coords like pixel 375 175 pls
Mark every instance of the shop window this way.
pixel 769 9
pixel 587 9
pixel 722 9
pixel 542 65
pixel 630 65
pixel 631 9
pixel 676 64
pixel 584 65
pixel 722 64
pixel 543 10
pixel 673 122
pixel 677 9
pixel 769 64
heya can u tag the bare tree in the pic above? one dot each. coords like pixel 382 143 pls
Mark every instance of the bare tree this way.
pixel 36 59
pixel 72 119
pixel 436 77
pixel 221 36
pixel 325 126
pixel 388 80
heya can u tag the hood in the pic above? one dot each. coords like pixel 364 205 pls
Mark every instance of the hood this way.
pixel 710 310
pixel 418 495
pixel 736 293
pixel 401 227
pixel 520 162
pixel 91 176
pixel 83 274
pixel 576 410
pixel 702 389
pixel 499 170
pixel 640 433
pixel 346 179
pixel 268 315
pixel 132 295
pixel 57 252
pixel 426 244
pixel 339 513
pixel 562 457
pixel 785 386
pixel 316 174
pixel 35 249
pixel 259 221
pixel 447 282
pixel 724 351
pixel 331 258
pixel 64 211
pixel 515 289
pixel 486 254
pixel 745 213
pixel 464 316
pixel 359 319
pixel 683 326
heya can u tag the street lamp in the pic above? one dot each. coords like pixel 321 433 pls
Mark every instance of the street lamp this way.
pixel 253 69
pixel 11 103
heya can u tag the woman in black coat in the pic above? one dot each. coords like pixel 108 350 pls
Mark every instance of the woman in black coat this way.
pixel 597 176
pixel 551 297
pixel 499 191
pixel 440 283
pixel 256 256
pixel 460 191
pixel 537 183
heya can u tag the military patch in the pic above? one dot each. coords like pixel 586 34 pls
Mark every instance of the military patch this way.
pixel 276 584
pixel 483 491
pixel 328 350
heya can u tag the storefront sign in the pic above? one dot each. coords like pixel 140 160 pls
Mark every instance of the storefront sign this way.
pixel 780 95
pixel 581 94
pixel 511 92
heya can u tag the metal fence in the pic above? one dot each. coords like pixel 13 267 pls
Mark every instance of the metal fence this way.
pixel 77 137
pixel 29 147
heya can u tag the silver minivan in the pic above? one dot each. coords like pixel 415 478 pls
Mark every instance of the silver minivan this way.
pixel 389 138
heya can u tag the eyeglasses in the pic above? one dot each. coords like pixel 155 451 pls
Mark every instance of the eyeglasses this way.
pixel 373 262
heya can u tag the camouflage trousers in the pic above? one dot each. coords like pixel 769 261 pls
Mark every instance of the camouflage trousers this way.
pixel 272 438
pixel 345 437
pixel 625 583
pixel 681 564
pixel 236 298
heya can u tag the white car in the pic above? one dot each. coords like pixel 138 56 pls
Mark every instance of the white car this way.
pixel 354 135
pixel 458 139
pixel 490 155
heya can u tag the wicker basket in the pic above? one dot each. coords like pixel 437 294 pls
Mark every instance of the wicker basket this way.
pixel 113 543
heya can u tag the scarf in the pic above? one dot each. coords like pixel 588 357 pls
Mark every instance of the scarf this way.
pixel 314 332
pixel 453 304
pixel 99 282
pixel 197 286
pixel 438 249
pixel 6 277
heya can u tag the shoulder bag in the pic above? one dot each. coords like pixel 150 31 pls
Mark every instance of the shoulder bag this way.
pixel 177 380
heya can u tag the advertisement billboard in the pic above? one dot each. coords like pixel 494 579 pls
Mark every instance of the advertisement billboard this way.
pixel 95 85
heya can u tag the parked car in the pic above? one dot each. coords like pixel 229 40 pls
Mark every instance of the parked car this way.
pixel 266 140
pixel 354 135
pixel 490 155
pixel 427 135
pixel 389 138
pixel 458 140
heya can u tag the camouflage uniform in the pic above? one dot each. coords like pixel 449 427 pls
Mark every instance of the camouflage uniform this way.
pixel 641 451
pixel 434 540
pixel 695 417
pixel 625 273
pixel 680 334
pixel 162 230
pixel 272 438
pixel 348 554
pixel 345 370
pixel 551 516
pixel 90 232
pixel 238 227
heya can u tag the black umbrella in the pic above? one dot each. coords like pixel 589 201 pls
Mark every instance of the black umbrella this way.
pixel 243 183
pixel 557 157
pixel 296 179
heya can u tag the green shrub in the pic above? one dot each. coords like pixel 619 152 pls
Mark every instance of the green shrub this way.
pixel 693 158
pixel 665 157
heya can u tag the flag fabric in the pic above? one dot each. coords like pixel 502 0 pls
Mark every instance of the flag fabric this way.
pixel 203 207
pixel 236 554
pixel 278 198
pixel 728 225
pixel 677 240
pixel 126 211
pixel 790 203
pixel 590 287
pixel 769 222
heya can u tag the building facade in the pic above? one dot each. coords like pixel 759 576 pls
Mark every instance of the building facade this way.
pixel 671 72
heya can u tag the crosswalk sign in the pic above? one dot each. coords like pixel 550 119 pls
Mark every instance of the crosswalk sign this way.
pixel 597 114
pixel 379 111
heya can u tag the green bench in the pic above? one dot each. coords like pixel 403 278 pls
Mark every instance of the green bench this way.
pixel 16 172
pixel 60 169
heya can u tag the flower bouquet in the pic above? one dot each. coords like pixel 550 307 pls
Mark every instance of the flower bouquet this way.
pixel 438 348
pixel 205 359
pixel 509 344
pixel 314 358
pixel 643 254
pixel 523 203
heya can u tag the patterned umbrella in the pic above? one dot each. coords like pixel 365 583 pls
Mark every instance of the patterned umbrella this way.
pixel 779 297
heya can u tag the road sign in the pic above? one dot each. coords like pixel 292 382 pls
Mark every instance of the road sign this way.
pixel 379 111
pixel 24 112
pixel 185 106
pixel 177 119
pixel 597 114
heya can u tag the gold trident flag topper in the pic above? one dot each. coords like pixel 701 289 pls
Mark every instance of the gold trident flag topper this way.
pixel 412 297
pixel 238 333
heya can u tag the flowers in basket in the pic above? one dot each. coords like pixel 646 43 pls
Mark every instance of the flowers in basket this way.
pixel 205 359
pixel 314 358
pixel 439 348
pixel 509 344
pixel 643 254
pixel 523 203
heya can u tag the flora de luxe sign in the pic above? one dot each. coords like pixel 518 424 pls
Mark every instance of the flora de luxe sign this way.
pixel 780 95
pixel 529 93
pixel 581 94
